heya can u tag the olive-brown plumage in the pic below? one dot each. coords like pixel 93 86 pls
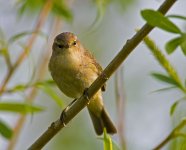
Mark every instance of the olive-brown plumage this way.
pixel 74 69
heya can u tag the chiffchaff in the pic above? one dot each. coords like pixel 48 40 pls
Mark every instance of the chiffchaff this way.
pixel 74 69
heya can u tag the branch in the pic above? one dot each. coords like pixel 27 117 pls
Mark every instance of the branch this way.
pixel 175 133
pixel 80 103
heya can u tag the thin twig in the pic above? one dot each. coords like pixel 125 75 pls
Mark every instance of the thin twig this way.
pixel 164 62
pixel 7 59
pixel 120 100
pixel 41 20
pixel 175 133
pixel 80 103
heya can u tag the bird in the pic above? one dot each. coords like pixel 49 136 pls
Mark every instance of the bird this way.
pixel 74 69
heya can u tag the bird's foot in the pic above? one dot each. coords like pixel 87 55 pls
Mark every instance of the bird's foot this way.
pixel 85 93
pixel 63 114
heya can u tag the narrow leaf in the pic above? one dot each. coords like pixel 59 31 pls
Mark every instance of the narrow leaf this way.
pixel 30 6
pixel 177 17
pixel 19 107
pixel 52 94
pixel 155 18
pixel 60 8
pixel 23 34
pixel 101 8
pixel 173 44
pixel 183 44
pixel 45 82
pixel 23 87
pixel 164 78
pixel 164 62
pixel 19 87
pixel 18 36
pixel 164 89
pixel 5 130
pixel 175 104
pixel 107 141
pixel 173 108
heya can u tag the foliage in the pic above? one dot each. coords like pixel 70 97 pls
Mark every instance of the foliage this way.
pixel 19 107
pixel 156 19
pixel 108 143
pixel 61 8
pixel 5 130
pixel 171 77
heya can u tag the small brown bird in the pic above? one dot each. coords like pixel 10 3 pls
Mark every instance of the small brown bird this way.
pixel 74 69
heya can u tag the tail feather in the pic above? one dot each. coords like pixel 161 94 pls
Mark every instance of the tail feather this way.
pixel 111 129
pixel 101 122
pixel 98 125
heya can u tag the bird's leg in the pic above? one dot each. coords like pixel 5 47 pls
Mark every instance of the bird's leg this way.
pixel 63 114
pixel 85 93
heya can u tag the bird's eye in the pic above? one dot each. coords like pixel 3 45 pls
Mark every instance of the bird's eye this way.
pixel 74 43
pixel 60 46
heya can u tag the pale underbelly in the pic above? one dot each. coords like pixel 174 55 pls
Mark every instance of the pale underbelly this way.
pixel 72 88
pixel 73 85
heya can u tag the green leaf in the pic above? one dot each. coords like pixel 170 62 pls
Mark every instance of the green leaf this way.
pixel 177 17
pixel 5 130
pixel 19 107
pixel 23 87
pixel 107 141
pixel 26 6
pixel 3 43
pixel 164 89
pixel 61 9
pixel 164 78
pixel 3 51
pixel 23 34
pixel 155 18
pixel 101 8
pixel 48 90
pixel 19 87
pixel 183 44
pixel 173 108
pixel 45 82
pixel 123 4
pixel 44 85
pixel 175 104
pixel 173 44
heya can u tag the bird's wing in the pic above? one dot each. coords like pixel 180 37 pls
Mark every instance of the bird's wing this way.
pixel 99 69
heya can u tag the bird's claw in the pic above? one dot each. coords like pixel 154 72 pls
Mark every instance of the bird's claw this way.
pixel 104 76
pixel 85 93
pixel 63 114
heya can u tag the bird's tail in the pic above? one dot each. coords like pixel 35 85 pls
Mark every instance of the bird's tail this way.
pixel 102 121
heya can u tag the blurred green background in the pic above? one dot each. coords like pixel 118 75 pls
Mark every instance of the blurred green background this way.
pixel 146 113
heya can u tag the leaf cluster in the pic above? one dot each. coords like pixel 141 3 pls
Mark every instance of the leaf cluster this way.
pixel 171 77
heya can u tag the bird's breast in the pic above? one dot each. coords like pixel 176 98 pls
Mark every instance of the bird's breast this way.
pixel 71 75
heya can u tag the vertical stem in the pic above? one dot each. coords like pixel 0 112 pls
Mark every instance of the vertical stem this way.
pixel 120 100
